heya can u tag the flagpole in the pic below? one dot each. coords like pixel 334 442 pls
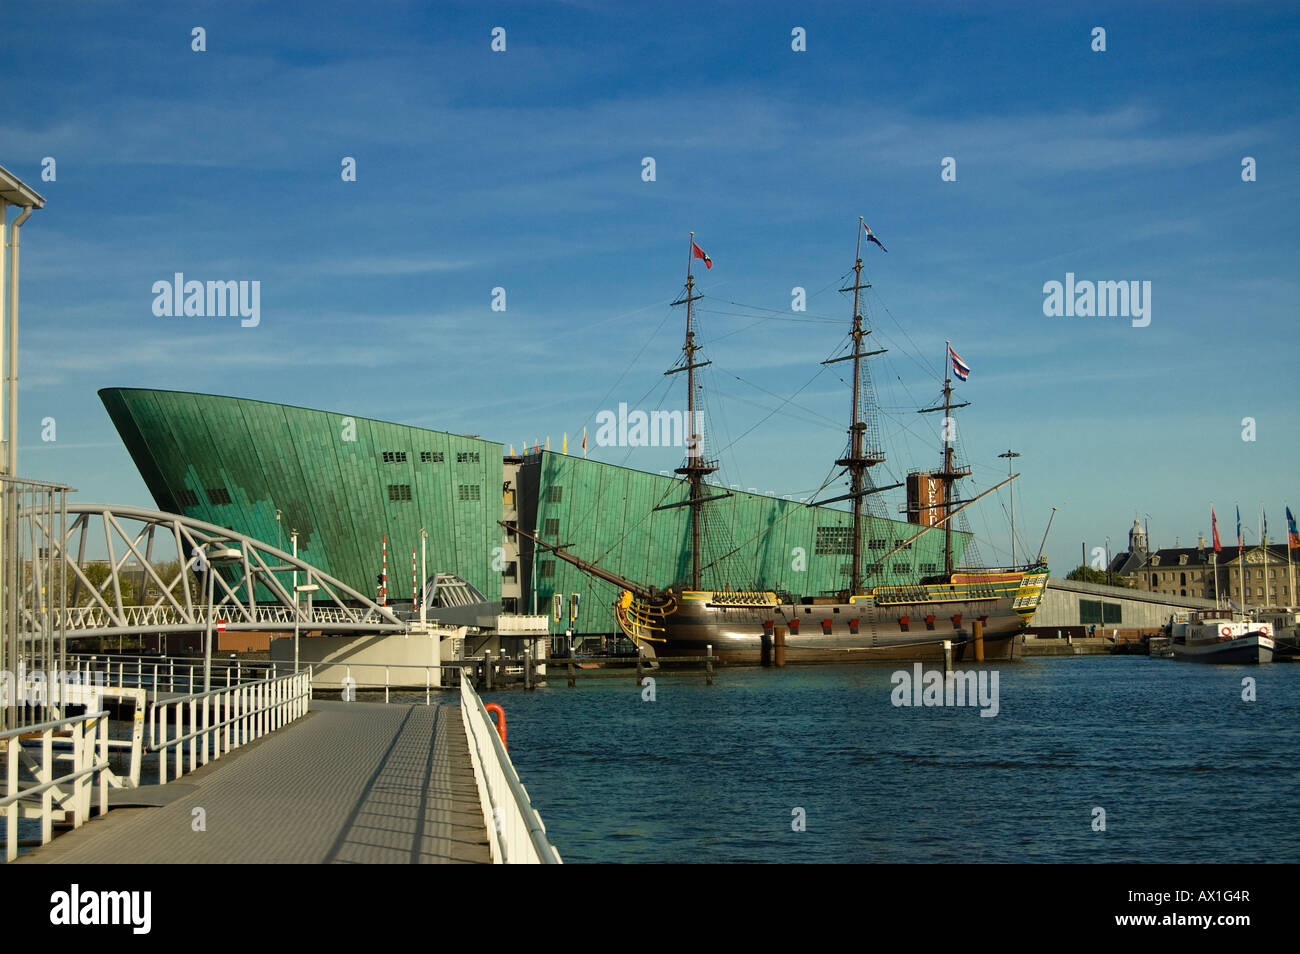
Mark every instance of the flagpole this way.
pixel 1263 541
pixel 1241 562
pixel 1214 552
pixel 1290 577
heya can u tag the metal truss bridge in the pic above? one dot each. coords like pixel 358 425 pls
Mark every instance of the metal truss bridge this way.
pixel 155 580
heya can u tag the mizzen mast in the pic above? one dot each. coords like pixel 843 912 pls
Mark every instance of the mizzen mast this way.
pixel 952 471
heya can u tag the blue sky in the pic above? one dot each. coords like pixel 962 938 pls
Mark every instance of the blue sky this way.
pixel 522 169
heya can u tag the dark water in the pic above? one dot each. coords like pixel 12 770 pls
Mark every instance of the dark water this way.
pixel 1185 769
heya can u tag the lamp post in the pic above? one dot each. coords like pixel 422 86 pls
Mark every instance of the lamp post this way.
pixel 1010 455
pixel 219 555
pixel 424 575
pixel 309 588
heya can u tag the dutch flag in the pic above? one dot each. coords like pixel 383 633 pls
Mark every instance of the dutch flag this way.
pixel 959 367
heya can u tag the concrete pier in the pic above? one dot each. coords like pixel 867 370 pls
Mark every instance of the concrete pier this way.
pixel 349 783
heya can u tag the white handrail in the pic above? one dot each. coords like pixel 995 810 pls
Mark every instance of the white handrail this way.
pixel 89 757
pixel 515 830
pixel 224 719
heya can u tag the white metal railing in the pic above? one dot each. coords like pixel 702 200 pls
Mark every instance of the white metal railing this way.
pixel 166 673
pixel 523 624
pixel 515 830
pixel 212 723
pixel 61 795
pixel 92 617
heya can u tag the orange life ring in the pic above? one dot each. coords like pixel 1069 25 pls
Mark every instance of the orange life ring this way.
pixel 492 707
pixel 1226 631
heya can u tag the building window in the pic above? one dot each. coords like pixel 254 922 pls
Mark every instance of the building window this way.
pixel 901 568
pixel 876 543
pixel 1112 613
pixel 398 492
pixel 509 604
pixel 554 494
pixel 431 457
pixel 846 569
pixel 834 541
pixel 1183 580
pixel 187 498
pixel 1089 611
pixel 552 527
pixel 218 495
pixel 928 567
pixel 394 457
pixel 546 569
pixel 467 457
pixel 469 491
pixel 511 570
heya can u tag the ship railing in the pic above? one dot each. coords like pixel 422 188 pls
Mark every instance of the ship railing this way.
pixel 515 830
pixel 69 793
pixel 210 724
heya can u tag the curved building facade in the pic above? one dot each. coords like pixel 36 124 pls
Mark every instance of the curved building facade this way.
pixel 346 482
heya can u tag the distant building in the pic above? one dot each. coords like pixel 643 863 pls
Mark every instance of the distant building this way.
pixel 1191 571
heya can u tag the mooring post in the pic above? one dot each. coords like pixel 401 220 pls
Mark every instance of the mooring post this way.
pixel 573 679
pixel 947 656
pixel 487 671
pixel 708 667
pixel 977 627
pixel 779 637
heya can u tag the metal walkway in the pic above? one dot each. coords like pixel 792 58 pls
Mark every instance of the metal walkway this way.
pixel 351 783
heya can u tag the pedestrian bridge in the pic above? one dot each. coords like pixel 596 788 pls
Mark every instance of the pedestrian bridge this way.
pixel 154 578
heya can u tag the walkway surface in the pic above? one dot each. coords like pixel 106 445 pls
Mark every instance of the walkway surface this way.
pixel 349 783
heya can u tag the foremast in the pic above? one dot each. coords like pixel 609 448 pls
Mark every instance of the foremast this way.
pixel 696 467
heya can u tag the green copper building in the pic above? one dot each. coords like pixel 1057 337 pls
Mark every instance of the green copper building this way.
pixel 347 483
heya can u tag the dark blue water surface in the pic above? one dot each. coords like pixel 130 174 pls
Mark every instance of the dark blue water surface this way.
pixel 1185 770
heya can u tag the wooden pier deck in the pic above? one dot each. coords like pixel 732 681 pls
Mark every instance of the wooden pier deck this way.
pixel 351 783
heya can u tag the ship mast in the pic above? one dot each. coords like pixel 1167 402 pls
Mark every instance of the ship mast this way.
pixel 951 471
pixel 696 467
pixel 859 458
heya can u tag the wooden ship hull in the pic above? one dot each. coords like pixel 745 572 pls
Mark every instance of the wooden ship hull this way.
pixel 890 624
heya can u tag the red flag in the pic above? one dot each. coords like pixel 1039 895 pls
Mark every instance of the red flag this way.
pixel 1214 528
pixel 584 438
pixel 871 237
pixel 699 253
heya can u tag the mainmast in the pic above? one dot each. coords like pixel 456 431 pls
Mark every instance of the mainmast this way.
pixel 696 467
pixel 860 457
pixel 951 471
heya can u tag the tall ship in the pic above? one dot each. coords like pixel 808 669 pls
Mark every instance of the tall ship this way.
pixel 978 611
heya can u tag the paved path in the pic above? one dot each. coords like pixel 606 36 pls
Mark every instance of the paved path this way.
pixel 350 783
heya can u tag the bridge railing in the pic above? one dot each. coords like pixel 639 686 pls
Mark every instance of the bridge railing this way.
pixel 166 673
pixel 206 725
pixel 59 796
pixel 515 830
pixel 239 616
